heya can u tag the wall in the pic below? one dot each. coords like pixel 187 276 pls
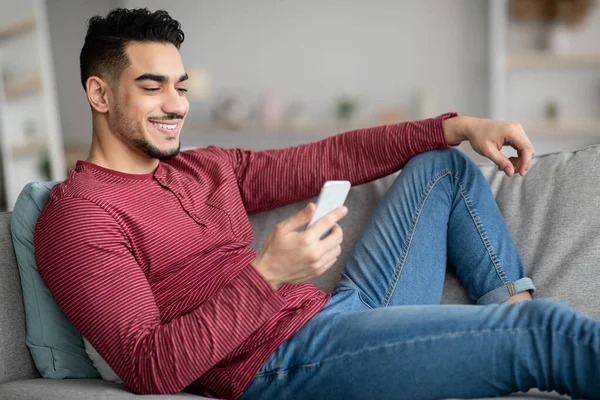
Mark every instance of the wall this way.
pixel 384 51
pixel 67 23
pixel 381 50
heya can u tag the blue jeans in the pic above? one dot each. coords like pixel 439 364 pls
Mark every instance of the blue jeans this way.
pixel 383 333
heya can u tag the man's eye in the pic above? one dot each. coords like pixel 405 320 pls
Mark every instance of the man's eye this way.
pixel 183 90
pixel 151 89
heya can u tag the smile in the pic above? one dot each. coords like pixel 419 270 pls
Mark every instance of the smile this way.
pixel 171 130
pixel 166 126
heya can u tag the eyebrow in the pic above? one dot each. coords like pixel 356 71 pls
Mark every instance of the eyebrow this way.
pixel 159 78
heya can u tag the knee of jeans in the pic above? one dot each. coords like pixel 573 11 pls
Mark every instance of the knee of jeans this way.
pixel 441 158
pixel 543 312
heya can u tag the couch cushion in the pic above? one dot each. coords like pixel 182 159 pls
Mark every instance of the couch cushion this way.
pixel 76 389
pixel 56 346
pixel 553 216
pixel 15 360
pixel 95 389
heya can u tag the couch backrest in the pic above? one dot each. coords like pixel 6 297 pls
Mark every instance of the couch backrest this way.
pixel 15 359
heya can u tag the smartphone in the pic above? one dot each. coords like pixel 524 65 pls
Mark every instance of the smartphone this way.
pixel 333 195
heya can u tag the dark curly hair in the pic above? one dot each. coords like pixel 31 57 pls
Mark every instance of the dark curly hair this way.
pixel 103 53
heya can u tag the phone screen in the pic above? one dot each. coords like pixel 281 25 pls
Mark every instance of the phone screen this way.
pixel 333 195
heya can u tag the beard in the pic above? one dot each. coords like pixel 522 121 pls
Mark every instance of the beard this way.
pixel 126 127
pixel 154 152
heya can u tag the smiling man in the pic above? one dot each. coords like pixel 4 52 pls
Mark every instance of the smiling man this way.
pixel 145 248
pixel 148 111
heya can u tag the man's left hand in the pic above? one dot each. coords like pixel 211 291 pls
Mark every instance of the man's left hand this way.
pixel 487 137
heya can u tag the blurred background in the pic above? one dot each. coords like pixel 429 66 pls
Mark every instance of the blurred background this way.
pixel 276 73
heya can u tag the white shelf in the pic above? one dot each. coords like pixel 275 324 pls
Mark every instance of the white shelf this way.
pixel 541 59
pixel 17 27
pixel 23 85
pixel 317 128
pixel 28 93
pixel 562 127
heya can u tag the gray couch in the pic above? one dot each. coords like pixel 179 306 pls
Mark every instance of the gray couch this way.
pixel 553 214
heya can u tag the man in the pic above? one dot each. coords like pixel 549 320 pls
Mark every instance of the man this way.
pixel 146 250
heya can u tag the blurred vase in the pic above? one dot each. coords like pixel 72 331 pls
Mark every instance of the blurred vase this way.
pixel 270 112
pixel 232 109
pixel 296 115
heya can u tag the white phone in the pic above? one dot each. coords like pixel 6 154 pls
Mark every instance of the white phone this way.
pixel 333 195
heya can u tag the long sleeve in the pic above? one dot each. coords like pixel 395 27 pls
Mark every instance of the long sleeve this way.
pixel 273 178
pixel 85 257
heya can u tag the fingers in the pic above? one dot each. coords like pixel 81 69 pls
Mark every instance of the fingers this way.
pixel 298 220
pixel 501 161
pixel 515 136
pixel 520 142
pixel 525 155
pixel 331 255
pixel 333 239
pixel 515 162
pixel 322 252
pixel 323 225
pixel 325 267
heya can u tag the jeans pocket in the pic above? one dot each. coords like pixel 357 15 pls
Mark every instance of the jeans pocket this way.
pixel 362 300
pixel 340 289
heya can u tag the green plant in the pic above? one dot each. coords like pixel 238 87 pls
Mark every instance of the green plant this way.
pixel 551 110
pixel 45 168
pixel 346 107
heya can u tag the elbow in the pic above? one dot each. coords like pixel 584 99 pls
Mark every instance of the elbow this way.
pixel 151 375
pixel 151 384
pixel 156 390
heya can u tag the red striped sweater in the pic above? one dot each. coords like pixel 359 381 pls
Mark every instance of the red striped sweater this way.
pixel 154 270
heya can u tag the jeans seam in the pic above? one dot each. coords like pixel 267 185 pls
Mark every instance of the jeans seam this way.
pixel 482 233
pixel 401 261
pixel 428 339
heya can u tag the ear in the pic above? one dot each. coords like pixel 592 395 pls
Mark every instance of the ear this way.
pixel 97 93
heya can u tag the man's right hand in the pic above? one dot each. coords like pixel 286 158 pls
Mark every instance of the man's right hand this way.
pixel 290 257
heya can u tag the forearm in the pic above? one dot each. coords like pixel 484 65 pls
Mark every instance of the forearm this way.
pixel 152 357
pixel 274 178
pixel 173 355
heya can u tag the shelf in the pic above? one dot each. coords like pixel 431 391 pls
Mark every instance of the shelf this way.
pixel 29 147
pixel 551 60
pixel 17 27
pixel 562 128
pixel 23 85
pixel 317 128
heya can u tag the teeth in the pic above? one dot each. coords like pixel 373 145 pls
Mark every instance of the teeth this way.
pixel 165 126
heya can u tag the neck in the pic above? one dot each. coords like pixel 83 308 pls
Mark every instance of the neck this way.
pixel 113 152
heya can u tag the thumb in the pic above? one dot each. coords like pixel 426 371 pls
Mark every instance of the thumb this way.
pixel 300 219
pixel 501 161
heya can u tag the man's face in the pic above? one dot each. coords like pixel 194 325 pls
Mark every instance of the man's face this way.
pixel 150 104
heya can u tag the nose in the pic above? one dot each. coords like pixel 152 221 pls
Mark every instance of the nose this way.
pixel 175 102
